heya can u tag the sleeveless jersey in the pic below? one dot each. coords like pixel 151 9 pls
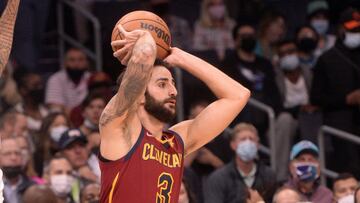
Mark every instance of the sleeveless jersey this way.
pixel 150 173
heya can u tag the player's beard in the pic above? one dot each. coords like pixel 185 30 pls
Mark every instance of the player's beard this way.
pixel 157 108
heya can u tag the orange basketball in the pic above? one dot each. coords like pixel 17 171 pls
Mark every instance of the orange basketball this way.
pixel 147 21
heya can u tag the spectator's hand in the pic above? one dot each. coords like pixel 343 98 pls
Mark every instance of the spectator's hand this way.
pixel 353 98
pixel 205 156
pixel 125 46
pixel 254 197
pixel 309 108
pixel 86 173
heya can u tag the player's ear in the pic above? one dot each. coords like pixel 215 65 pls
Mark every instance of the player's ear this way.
pixel 142 99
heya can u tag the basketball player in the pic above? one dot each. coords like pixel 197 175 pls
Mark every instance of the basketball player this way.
pixel 140 162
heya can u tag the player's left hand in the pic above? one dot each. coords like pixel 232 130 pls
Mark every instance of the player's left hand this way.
pixel 175 58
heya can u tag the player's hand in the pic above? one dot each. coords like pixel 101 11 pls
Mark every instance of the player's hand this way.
pixel 127 43
pixel 175 58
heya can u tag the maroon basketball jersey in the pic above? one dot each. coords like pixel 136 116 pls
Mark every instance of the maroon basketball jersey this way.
pixel 150 173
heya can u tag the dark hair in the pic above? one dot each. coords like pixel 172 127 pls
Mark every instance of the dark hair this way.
pixel 91 97
pixel 238 26
pixel 343 176
pixel 21 76
pixel 87 183
pixel 297 31
pixel 267 19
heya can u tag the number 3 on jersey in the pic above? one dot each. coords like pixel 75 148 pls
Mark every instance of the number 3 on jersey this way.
pixel 165 183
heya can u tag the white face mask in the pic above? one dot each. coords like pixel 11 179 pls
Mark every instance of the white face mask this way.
pixel 352 40
pixel 320 25
pixel 347 199
pixel 289 62
pixel 247 150
pixel 61 184
pixel 217 11
pixel 91 125
pixel 56 132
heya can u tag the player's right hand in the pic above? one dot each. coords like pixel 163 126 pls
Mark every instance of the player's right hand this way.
pixel 127 43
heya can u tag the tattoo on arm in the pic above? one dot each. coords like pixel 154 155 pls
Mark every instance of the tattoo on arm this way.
pixel 7 22
pixel 136 77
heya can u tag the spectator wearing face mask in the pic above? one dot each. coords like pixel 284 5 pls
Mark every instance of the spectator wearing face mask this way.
pixel 46 141
pixel 93 105
pixel 318 18
pixel 90 193
pixel 15 180
pixel 27 159
pixel 59 176
pixel 344 187
pixel 67 88
pixel 306 42
pixel 305 171
pixel 293 82
pixel 245 178
pixel 31 89
pixel 254 72
pixel 213 29
pixel 336 90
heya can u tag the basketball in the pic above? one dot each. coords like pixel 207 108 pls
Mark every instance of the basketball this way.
pixel 147 21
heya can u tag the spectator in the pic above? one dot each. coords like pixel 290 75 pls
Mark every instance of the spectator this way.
pixel 59 175
pixel 73 146
pixel 68 87
pixel 93 144
pixel 27 158
pixel 344 187
pixel 13 124
pixel 293 82
pixel 90 193
pixel 244 178
pixel 318 17
pixel 286 195
pixel 99 83
pixel 336 89
pixel 31 89
pixel 93 105
pixel 15 180
pixel 9 95
pixel 179 28
pixel 272 29
pixel 49 135
pixel 39 194
pixel 254 72
pixel 307 40
pixel 213 29
pixel 305 171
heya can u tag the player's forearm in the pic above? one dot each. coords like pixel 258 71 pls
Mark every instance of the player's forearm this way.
pixel 219 83
pixel 137 73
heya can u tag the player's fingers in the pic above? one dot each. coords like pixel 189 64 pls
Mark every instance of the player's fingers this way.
pixel 120 42
pixel 122 51
pixel 122 30
pixel 125 60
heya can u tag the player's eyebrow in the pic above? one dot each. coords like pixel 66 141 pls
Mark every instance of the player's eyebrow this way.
pixel 166 80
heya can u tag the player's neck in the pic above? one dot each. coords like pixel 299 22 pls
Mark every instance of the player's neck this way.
pixel 153 125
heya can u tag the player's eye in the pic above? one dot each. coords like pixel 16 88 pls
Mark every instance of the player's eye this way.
pixel 162 84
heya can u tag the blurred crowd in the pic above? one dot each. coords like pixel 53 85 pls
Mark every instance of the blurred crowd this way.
pixel 306 69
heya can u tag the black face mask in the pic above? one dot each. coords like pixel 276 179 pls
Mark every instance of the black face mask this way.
pixel 307 44
pixel 37 95
pixel 161 9
pixel 11 172
pixel 75 74
pixel 248 44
